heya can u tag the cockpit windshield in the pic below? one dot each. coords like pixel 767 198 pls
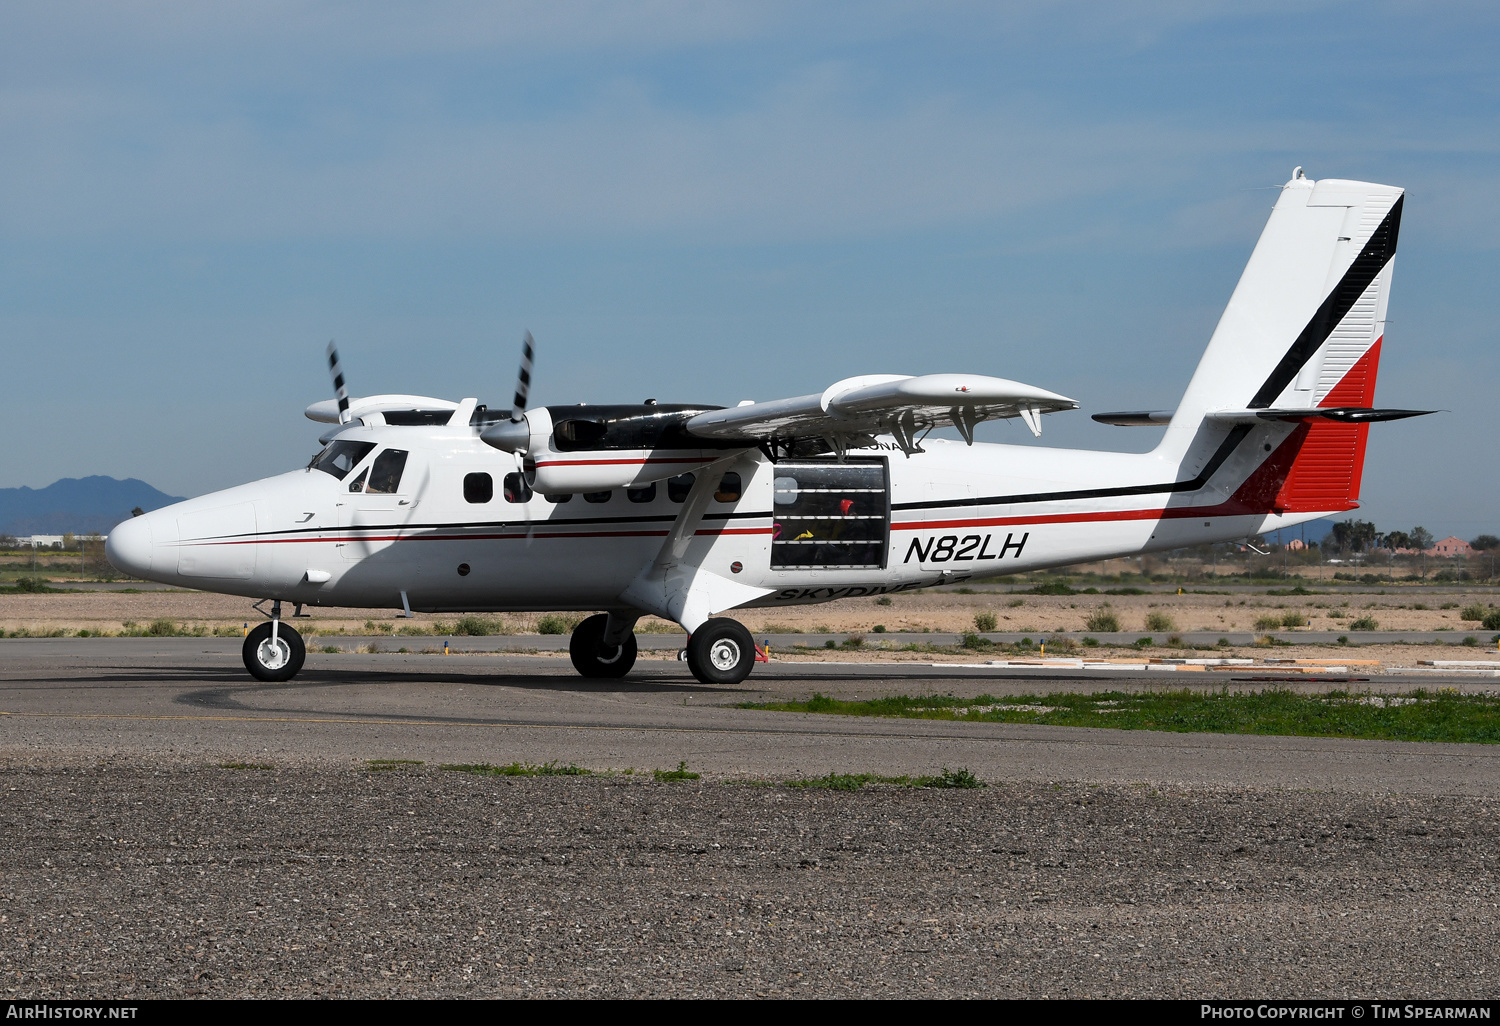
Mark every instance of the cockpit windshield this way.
pixel 340 457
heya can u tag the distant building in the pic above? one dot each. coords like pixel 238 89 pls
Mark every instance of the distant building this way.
pixel 52 541
pixel 1451 546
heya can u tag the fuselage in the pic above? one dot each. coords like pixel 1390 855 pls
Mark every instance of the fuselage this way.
pixel 455 528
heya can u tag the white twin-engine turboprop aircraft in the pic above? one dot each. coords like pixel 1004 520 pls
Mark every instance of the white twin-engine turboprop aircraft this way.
pixel 688 511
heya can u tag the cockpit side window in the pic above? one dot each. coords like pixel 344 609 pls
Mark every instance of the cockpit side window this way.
pixel 341 456
pixel 385 472
pixel 358 484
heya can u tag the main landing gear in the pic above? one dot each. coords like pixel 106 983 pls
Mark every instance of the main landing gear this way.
pixel 595 654
pixel 719 652
pixel 274 652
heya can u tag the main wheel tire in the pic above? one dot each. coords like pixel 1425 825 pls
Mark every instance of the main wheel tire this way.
pixel 592 658
pixel 277 662
pixel 721 652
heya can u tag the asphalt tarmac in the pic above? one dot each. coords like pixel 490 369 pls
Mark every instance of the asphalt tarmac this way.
pixel 1106 863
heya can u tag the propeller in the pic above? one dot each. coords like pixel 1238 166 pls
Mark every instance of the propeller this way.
pixel 340 393
pixel 514 435
pixel 523 383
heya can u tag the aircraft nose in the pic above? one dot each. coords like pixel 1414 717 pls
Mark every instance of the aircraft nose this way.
pixel 128 546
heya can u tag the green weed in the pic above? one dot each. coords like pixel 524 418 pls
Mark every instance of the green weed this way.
pixel 680 773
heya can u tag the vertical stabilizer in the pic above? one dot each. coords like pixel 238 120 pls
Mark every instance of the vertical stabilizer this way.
pixel 1303 329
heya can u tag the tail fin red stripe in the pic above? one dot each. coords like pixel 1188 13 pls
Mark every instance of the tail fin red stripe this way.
pixel 1330 462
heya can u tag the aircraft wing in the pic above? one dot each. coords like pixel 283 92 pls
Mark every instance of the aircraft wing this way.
pixel 900 405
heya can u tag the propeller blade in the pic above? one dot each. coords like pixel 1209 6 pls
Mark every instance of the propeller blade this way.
pixel 523 384
pixel 339 391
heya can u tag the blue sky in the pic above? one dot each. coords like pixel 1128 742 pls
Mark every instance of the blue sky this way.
pixel 709 202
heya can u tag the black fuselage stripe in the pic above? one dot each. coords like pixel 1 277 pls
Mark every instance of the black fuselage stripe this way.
pixel 1226 447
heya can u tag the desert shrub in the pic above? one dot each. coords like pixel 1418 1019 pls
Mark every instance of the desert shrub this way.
pixel 1364 623
pixel 1052 588
pixel 1294 619
pixel 1336 614
pixel 854 641
pixel 1475 612
pixel 985 622
pixel 1102 621
pixel 164 628
pixel 379 628
pixel 977 642
pixel 1160 621
pixel 1267 623
pixel 481 626
pixel 1492 620
pixel 1471 641
pixel 553 623
pixel 1090 642
pixel 1016 603
pixel 667 627
pixel 883 600
pixel 879 628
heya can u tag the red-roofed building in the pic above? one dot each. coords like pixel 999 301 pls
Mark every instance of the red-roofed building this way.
pixel 1451 546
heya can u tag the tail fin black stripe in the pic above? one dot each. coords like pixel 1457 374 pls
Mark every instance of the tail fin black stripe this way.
pixel 1371 260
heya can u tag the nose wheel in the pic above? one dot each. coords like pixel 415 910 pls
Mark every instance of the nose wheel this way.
pixel 273 652
pixel 721 652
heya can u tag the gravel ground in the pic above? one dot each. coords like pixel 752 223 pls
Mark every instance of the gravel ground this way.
pixel 147 879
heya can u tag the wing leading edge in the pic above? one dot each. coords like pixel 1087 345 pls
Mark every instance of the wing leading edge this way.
pixel 856 409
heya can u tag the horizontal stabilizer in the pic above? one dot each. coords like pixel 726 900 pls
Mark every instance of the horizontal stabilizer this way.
pixel 1342 414
pixel 900 405
pixel 1139 418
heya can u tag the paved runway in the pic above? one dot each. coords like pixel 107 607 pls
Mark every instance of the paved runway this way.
pixel 79 701
pixel 1098 863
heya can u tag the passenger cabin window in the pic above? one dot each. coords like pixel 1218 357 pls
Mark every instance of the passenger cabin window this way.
pixel 385 472
pixel 358 484
pixel 679 486
pixel 596 496
pixel 729 488
pixel 646 494
pixel 516 488
pixel 478 488
pixel 340 457
pixel 568 497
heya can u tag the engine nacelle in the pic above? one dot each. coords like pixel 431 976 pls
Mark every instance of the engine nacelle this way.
pixel 572 449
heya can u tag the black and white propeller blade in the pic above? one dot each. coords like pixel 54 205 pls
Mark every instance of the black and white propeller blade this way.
pixel 523 382
pixel 514 435
pixel 340 393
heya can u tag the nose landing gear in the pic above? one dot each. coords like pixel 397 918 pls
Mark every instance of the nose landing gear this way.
pixel 273 652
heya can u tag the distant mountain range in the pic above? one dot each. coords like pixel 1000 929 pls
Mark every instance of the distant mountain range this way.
pixel 79 505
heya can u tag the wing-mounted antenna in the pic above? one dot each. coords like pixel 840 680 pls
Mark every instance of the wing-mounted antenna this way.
pixel 514 435
pixel 340 393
